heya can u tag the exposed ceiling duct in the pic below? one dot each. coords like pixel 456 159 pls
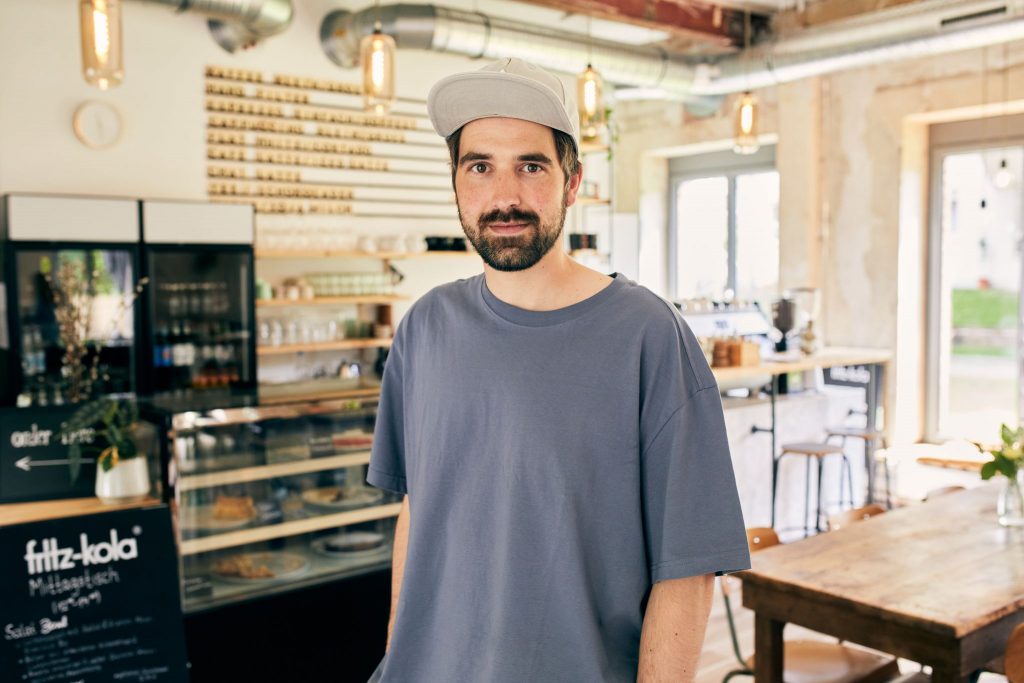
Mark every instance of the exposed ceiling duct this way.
pixel 934 28
pixel 238 24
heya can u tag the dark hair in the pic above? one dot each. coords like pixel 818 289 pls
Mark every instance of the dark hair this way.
pixel 565 148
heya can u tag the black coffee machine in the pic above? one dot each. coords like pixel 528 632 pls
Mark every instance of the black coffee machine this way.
pixel 784 320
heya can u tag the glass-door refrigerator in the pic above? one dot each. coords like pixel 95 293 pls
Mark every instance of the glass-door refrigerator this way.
pixel 199 347
pixel 70 270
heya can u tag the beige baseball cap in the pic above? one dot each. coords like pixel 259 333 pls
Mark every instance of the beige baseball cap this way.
pixel 507 88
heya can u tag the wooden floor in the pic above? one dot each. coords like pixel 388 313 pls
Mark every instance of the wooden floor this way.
pixel 717 658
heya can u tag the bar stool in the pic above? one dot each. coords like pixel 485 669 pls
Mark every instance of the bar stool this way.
pixel 867 435
pixel 818 451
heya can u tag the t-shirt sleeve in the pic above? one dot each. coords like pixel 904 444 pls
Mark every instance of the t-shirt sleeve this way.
pixel 693 523
pixel 387 458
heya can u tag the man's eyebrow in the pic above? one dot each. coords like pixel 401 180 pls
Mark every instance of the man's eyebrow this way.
pixel 474 156
pixel 536 157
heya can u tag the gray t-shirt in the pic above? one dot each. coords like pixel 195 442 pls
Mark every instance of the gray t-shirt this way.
pixel 557 465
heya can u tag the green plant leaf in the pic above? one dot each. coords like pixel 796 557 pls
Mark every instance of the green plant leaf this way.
pixel 1007 434
pixel 1007 467
pixel 988 470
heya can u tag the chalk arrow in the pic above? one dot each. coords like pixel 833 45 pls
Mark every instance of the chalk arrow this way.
pixel 27 463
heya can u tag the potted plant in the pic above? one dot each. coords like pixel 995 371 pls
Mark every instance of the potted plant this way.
pixel 122 474
pixel 1007 460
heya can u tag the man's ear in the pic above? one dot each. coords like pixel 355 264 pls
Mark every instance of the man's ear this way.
pixel 573 187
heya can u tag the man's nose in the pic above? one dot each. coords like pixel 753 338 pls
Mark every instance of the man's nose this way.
pixel 506 191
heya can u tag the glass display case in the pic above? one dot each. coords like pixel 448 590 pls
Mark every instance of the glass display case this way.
pixel 267 499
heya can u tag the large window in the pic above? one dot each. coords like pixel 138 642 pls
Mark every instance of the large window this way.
pixel 975 354
pixel 724 236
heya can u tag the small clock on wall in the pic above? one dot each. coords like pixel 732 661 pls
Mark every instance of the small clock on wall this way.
pixel 97 124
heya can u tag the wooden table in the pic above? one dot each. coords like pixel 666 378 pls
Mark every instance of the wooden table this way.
pixel 940 583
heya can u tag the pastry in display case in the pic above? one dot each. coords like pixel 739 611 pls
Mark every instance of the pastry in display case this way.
pixel 268 499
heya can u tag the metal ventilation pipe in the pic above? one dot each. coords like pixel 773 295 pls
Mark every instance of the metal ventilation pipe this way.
pixel 951 35
pixel 238 24
pixel 442 29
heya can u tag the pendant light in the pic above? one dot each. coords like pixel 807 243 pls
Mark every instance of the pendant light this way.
pixel 1004 177
pixel 745 132
pixel 377 53
pixel 102 58
pixel 746 113
pixel 589 96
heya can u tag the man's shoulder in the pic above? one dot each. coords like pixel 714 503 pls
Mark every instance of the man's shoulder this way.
pixel 665 334
pixel 443 300
pixel 650 309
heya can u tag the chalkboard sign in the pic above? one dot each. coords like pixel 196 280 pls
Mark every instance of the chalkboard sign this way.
pixel 92 598
pixel 34 456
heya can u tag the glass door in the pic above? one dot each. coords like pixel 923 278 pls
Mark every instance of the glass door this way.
pixel 75 323
pixel 199 334
pixel 976 336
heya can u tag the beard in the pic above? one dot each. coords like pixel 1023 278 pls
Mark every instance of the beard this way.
pixel 510 253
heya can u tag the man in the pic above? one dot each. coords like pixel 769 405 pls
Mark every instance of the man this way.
pixel 557 433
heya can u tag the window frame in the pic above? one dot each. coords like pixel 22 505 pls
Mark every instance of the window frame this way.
pixel 948 139
pixel 726 164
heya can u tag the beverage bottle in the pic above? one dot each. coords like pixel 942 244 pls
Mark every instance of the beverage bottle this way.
pixel 28 354
pixel 177 353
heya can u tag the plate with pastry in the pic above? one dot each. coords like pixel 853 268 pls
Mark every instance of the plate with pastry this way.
pixel 261 567
pixel 351 544
pixel 225 514
pixel 341 498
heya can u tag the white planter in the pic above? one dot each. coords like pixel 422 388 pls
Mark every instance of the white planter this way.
pixel 125 482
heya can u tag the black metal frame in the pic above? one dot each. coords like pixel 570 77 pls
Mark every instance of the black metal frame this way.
pixel 872 392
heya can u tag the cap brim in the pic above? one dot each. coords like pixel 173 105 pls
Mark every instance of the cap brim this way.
pixel 456 100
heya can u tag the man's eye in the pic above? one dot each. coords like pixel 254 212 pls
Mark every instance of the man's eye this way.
pixel 533 168
pixel 478 168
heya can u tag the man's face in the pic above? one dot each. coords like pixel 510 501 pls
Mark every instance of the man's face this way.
pixel 511 191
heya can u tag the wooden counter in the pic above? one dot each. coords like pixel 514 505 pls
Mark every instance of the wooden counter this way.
pixel 20 513
pixel 826 358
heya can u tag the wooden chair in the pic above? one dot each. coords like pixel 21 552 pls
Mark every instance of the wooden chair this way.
pixel 808 661
pixel 845 519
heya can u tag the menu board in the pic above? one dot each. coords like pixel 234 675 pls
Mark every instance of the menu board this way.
pixel 34 456
pixel 90 599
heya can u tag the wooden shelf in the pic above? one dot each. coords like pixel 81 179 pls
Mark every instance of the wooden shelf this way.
pixel 20 513
pixel 332 300
pixel 341 345
pixel 194 546
pixel 192 482
pixel 284 398
pixel 381 255
pixel 593 201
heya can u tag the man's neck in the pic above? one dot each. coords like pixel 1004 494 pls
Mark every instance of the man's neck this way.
pixel 554 282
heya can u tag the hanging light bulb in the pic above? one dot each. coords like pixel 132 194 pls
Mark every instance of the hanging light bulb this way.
pixel 1004 176
pixel 745 130
pixel 591 104
pixel 377 52
pixel 102 59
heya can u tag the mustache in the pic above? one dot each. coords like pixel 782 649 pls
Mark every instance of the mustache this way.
pixel 510 216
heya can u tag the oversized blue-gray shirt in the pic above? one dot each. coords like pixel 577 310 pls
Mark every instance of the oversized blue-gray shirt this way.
pixel 557 465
